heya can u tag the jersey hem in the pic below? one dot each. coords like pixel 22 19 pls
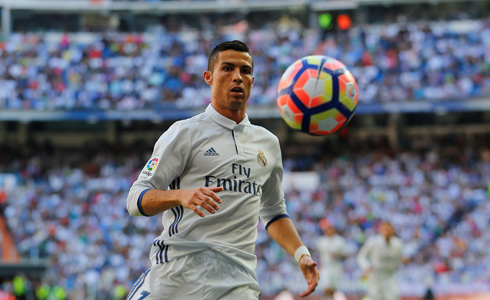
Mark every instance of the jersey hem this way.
pixel 140 198
pixel 275 219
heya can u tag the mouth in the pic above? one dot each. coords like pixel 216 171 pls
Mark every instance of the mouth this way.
pixel 237 90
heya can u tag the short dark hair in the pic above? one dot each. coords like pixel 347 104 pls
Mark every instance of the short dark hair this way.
pixel 228 45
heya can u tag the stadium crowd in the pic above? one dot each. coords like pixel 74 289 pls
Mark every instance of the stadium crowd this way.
pixel 162 68
pixel 69 207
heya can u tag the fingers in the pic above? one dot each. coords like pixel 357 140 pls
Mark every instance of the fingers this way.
pixel 210 192
pixel 216 189
pixel 196 210
pixel 309 290
pixel 209 205
pixel 205 198
pixel 312 275
pixel 312 283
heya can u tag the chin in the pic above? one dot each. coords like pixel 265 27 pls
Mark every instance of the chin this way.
pixel 237 104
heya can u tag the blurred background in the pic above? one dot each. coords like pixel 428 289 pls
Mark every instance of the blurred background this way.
pixel 88 86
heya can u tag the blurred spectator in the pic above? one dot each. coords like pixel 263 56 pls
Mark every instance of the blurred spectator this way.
pixel 69 208
pixel 3 201
pixel 393 63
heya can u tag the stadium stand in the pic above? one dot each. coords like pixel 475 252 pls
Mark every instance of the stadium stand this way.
pixel 434 195
pixel 399 62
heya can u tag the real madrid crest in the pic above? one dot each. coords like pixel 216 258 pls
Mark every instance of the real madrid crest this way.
pixel 261 159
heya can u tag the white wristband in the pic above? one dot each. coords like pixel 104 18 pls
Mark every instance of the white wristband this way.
pixel 302 250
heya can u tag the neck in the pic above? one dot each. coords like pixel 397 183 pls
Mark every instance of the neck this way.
pixel 234 115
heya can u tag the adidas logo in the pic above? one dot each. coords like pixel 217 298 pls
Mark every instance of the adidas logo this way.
pixel 211 152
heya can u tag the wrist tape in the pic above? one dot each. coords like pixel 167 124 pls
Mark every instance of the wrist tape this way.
pixel 302 250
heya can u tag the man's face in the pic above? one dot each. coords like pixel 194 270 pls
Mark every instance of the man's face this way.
pixel 387 230
pixel 231 80
pixel 330 231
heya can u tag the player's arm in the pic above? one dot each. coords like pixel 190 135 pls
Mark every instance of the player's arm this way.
pixel 156 201
pixel 149 195
pixel 343 253
pixel 405 257
pixel 273 213
pixel 363 257
pixel 285 234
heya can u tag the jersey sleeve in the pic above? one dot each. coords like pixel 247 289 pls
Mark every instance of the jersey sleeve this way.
pixel 320 244
pixel 166 164
pixel 400 251
pixel 343 246
pixel 363 256
pixel 273 206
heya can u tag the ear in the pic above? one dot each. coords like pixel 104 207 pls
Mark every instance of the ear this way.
pixel 253 80
pixel 208 77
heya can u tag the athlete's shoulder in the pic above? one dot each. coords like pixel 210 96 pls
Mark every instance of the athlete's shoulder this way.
pixel 397 241
pixel 192 125
pixel 340 239
pixel 321 241
pixel 262 131
pixel 183 131
pixel 194 121
pixel 375 239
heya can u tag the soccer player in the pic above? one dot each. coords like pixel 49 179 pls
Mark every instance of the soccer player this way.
pixel 213 176
pixel 379 258
pixel 332 249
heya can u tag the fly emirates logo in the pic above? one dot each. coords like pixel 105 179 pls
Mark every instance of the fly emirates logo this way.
pixel 240 182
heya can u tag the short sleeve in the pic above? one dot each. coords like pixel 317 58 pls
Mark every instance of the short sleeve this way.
pixel 273 206
pixel 167 162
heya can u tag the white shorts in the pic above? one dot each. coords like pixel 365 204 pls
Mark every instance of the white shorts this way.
pixel 383 287
pixel 204 275
pixel 329 277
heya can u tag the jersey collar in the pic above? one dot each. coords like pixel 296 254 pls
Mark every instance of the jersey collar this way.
pixel 224 121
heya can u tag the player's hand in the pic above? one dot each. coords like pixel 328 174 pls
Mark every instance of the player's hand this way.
pixel 311 274
pixel 367 272
pixel 405 260
pixel 204 197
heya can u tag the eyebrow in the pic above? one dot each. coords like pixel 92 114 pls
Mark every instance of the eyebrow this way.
pixel 233 65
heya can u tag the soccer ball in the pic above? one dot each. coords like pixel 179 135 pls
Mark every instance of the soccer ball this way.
pixel 317 95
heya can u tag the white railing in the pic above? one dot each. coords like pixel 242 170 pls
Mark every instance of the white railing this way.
pixel 142 6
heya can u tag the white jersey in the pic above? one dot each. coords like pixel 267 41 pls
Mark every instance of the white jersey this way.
pixel 210 150
pixel 330 249
pixel 385 258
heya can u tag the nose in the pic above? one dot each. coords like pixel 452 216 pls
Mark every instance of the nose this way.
pixel 237 76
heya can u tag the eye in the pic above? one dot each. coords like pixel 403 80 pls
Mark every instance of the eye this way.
pixel 227 68
pixel 247 71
